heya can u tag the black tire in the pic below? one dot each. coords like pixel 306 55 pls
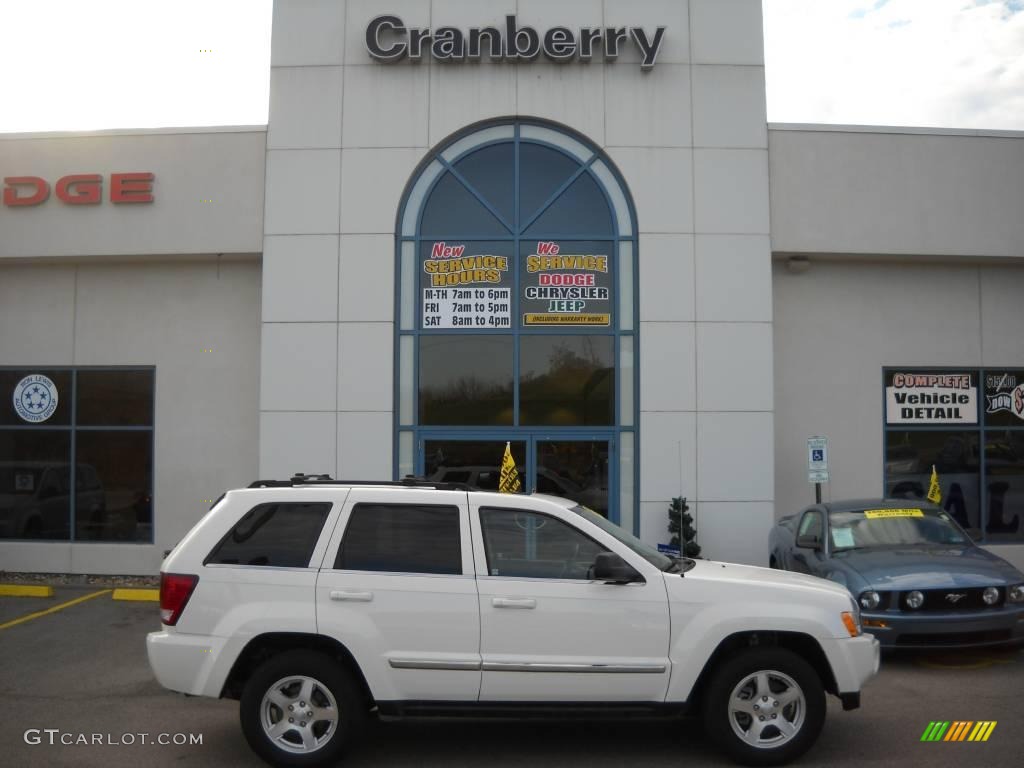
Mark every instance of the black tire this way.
pixel 803 718
pixel 329 679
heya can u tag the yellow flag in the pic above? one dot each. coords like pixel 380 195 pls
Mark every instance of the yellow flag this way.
pixel 509 481
pixel 934 492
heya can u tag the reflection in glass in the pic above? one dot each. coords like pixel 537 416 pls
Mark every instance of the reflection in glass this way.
pixel 1004 467
pixel 909 457
pixel 542 171
pixel 575 469
pixel 35 480
pixel 452 209
pixel 116 398
pixel 465 380
pixel 114 482
pixel 581 209
pixel 567 381
pixel 490 172
pixel 474 462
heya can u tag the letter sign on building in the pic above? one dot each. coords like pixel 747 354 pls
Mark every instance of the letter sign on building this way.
pixel 78 189
pixel 388 40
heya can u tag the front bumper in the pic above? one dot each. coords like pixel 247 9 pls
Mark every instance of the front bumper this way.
pixel 977 629
pixel 854 661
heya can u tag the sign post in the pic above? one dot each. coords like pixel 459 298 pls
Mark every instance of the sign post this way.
pixel 817 464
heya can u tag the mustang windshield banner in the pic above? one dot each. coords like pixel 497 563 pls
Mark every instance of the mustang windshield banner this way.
pixel 927 397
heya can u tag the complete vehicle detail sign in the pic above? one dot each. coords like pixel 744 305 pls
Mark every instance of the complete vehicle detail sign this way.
pixel 389 40
pixel 931 398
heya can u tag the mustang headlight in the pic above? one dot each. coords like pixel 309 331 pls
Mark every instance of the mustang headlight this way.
pixel 915 599
pixel 1015 594
pixel 870 600
pixel 990 596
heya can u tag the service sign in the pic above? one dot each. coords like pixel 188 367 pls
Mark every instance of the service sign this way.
pixel 466 285
pixel 566 284
pixel 931 397
pixel 1004 398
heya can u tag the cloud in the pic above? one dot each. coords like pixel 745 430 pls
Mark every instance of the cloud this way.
pixel 946 63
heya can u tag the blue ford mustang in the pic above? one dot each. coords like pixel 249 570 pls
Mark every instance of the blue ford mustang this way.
pixel 919 579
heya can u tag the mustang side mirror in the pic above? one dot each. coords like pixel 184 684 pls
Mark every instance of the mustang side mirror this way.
pixel 808 541
pixel 611 567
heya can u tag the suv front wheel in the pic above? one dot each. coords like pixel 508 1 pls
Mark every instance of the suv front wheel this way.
pixel 765 706
pixel 300 708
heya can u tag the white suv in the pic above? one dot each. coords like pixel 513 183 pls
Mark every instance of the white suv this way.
pixel 316 602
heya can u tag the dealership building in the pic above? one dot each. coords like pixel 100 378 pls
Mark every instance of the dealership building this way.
pixel 563 226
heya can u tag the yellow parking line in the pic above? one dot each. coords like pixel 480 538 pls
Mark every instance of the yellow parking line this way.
pixel 147 595
pixel 55 608
pixel 25 590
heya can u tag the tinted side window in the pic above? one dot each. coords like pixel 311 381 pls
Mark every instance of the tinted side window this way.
pixel 281 535
pixel 401 538
pixel 530 545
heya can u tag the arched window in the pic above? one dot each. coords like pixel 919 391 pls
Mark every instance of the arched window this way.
pixel 516 316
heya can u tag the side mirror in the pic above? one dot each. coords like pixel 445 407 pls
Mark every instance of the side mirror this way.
pixel 610 567
pixel 808 541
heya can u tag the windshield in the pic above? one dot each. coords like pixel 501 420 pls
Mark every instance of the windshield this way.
pixel 646 551
pixel 892 527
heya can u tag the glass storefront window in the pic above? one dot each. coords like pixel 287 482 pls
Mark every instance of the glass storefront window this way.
pixel 465 380
pixel 508 255
pixel 567 381
pixel 969 425
pixel 82 470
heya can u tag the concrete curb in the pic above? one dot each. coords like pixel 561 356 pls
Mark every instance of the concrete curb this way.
pixel 139 595
pixel 25 590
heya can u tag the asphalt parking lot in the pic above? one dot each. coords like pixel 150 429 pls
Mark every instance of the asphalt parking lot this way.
pixel 82 670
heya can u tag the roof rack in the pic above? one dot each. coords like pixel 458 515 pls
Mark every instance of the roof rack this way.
pixel 299 479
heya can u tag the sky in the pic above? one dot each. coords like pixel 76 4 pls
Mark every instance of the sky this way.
pixel 96 64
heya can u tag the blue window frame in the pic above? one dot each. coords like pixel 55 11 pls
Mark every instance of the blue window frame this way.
pixel 487 214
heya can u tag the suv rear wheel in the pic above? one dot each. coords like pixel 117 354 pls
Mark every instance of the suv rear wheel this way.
pixel 765 706
pixel 301 708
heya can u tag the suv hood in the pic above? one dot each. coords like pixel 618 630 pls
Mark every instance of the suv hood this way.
pixel 753 576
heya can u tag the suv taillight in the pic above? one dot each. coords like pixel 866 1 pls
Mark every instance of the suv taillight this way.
pixel 175 590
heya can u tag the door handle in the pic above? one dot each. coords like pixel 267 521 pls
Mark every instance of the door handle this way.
pixel 513 602
pixel 358 597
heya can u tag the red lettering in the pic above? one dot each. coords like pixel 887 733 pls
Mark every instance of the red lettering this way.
pixel 556 278
pixel 442 251
pixel 131 187
pixel 13 199
pixel 547 249
pixel 80 189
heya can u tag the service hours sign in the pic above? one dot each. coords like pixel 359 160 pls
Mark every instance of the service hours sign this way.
pixel 466 285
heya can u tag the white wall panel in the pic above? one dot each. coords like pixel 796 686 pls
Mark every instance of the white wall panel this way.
pixel 735 531
pixel 734 277
pixel 731 194
pixel 305 108
pixel 726 32
pixel 734 456
pixel 729 107
pixel 668 456
pixel 299 367
pixel 667 377
pixel 293 442
pixel 666 277
pixel 648 108
pixel 364 446
pixel 386 106
pixel 366 288
pixel 365 365
pixel 661 183
pixel 302 191
pixel 371 186
pixel 300 274
pixel 734 367
pixel 307 32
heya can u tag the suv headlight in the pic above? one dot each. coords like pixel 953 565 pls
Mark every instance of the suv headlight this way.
pixel 1015 593
pixel 870 600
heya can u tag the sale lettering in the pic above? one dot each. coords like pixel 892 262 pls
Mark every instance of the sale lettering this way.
pixel 78 189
